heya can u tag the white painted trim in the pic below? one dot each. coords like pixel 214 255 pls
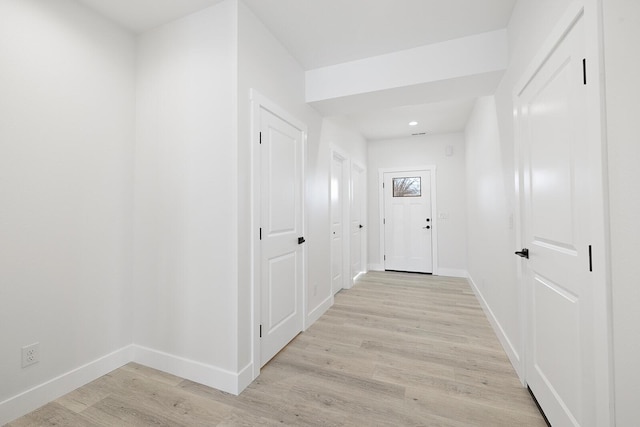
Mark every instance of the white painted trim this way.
pixel 48 391
pixel 337 153
pixel 363 217
pixel 317 312
pixel 453 272
pixel 509 348
pixel 381 254
pixel 40 395
pixel 602 400
pixel 259 101
pixel 355 279
pixel 245 377
pixel 555 37
pixel 599 210
pixel 255 224
pixel 523 312
pixel 434 209
pixel 264 102
pixel 199 372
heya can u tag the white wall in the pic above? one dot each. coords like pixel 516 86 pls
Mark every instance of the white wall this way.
pixel 193 192
pixel 622 67
pixel 265 66
pixel 186 194
pixel 66 142
pixel 339 132
pixel 490 224
pixel 421 151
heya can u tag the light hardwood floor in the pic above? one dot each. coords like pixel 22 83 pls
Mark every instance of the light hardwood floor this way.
pixel 396 350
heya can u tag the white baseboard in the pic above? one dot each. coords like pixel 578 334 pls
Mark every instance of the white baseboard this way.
pixel 44 393
pixel 199 372
pixel 317 312
pixel 355 279
pixel 245 377
pixel 512 352
pixel 376 267
pixel 202 373
pixel 452 272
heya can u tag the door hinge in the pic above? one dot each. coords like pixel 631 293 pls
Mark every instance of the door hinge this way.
pixel 383 185
pixel 384 257
pixel 260 137
pixel 584 71
pixel 384 221
pixel 260 331
pixel 260 233
pixel 590 260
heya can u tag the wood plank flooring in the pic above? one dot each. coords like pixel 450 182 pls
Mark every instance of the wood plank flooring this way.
pixel 396 350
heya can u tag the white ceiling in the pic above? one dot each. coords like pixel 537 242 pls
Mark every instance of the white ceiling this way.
pixel 142 15
pixel 326 32
pixel 434 118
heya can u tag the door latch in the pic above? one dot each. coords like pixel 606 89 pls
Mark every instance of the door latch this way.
pixel 524 253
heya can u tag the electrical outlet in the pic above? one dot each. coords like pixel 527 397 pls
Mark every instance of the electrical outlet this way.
pixel 30 354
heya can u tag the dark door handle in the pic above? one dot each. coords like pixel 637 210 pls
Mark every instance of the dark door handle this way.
pixel 427 227
pixel 361 226
pixel 301 240
pixel 524 253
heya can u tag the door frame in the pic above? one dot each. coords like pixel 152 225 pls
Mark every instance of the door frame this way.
pixel 363 216
pixel 434 210
pixel 346 214
pixel 599 395
pixel 259 102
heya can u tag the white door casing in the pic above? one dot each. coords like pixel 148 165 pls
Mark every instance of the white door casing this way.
pixel 408 223
pixel 555 221
pixel 357 239
pixel 279 259
pixel 339 221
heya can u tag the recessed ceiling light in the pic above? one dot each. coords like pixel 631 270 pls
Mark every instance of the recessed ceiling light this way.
pixel 413 123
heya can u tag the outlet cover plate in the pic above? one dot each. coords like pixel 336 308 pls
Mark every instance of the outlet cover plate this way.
pixel 30 354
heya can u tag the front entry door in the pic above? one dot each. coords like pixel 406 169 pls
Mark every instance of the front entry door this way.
pixel 281 154
pixel 407 221
pixel 551 124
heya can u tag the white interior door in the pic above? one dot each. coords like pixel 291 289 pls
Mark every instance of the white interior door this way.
pixel 551 123
pixel 281 153
pixel 407 221
pixel 357 220
pixel 338 206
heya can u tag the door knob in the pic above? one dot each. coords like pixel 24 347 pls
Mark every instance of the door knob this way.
pixel 524 253
pixel 428 227
pixel 361 226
